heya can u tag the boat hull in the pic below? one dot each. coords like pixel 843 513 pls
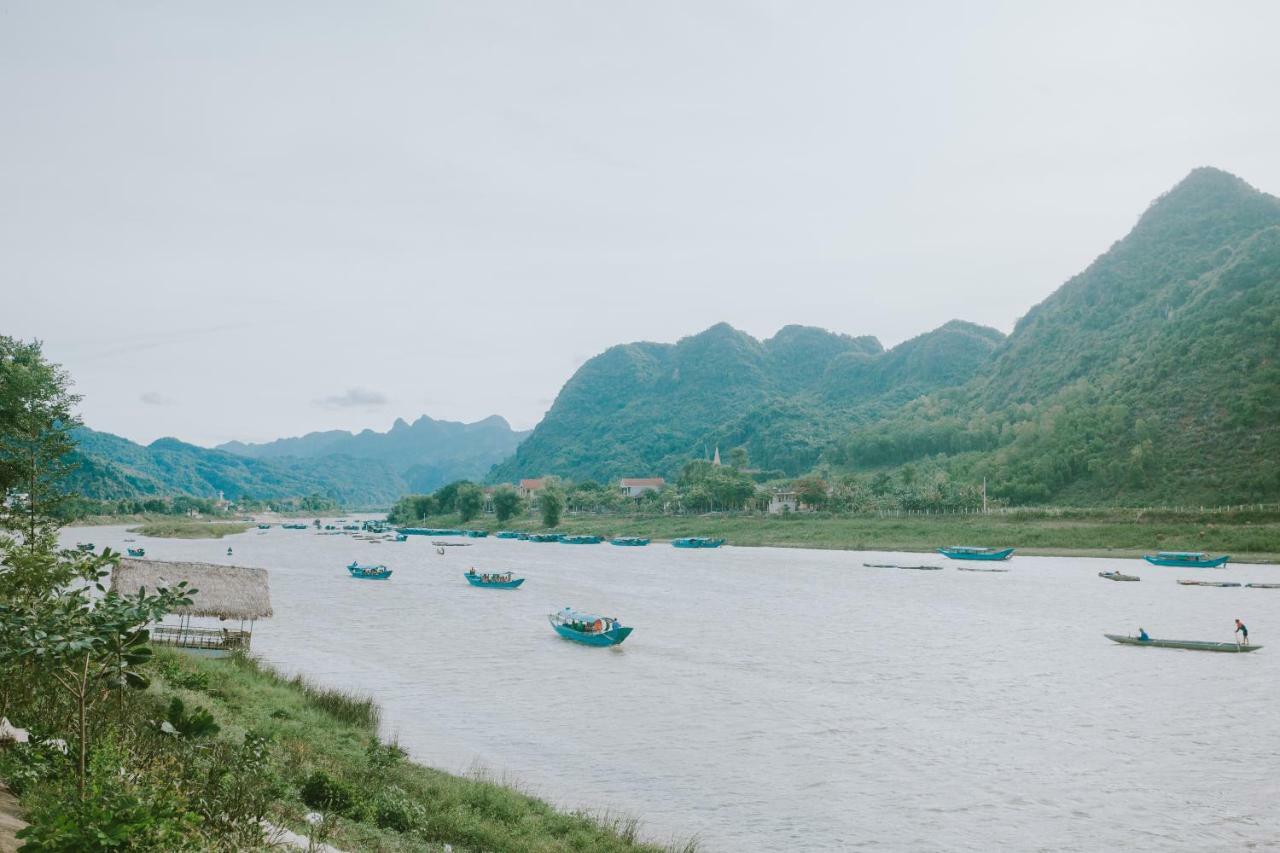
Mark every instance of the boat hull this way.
pixel 696 542
pixel 1002 554
pixel 1189 645
pixel 628 542
pixel 1211 563
pixel 514 583
pixel 1118 576
pixel 608 638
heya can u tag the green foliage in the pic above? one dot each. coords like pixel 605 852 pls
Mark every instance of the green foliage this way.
pixel 470 501
pixel 193 725
pixel 412 509
pixel 551 505
pixel 324 793
pixel 507 503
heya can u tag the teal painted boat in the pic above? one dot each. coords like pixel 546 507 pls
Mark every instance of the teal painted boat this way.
pixel 582 539
pixel 545 537
pixel 974 552
pixel 507 534
pixel 524 536
pixel 264 526
pixel 369 573
pixel 137 552
pixel 1186 559
pixel 493 581
pixel 476 534
pixel 697 542
pixel 1193 645
pixel 588 628
pixel 86 547
pixel 402 537
pixel 429 531
pixel 629 541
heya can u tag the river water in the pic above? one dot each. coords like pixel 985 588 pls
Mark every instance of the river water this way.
pixel 786 699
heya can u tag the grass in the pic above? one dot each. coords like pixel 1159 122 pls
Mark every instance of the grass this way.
pixel 183 529
pixel 1247 535
pixel 322 734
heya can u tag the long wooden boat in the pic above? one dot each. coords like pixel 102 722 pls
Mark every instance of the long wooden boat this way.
pixel 545 537
pixel 429 531
pixel 369 573
pixel 588 628
pixel 977 569
pixel 973 552
pixel 1185 582
pixel 697 542
pixel 582 539
pixel 476 534
pixel 507 534
pixel 495 581
pixel 442 544
pixel 1194 645
pixel 1263 585
pixel 1118 576
pixel 629 541
pixel 1186 559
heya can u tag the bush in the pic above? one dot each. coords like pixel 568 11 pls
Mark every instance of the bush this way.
pixel 324 793
pixel 395 811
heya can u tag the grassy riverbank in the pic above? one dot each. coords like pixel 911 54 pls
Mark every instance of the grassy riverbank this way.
pixel 1248 536
pixel 183 529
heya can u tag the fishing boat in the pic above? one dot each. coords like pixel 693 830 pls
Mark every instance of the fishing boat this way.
pixel 629 541
pixel 1195 645
pixel 697 542
pixel 524 536
pixel 264 526
pixel 587 628
pixel 976 569
pixel 973 552
pixel 451 544
pixel 1263 585
pixel 401 537
pixel 1186 559
pixel 476 534
pixel 507 534
pixel 369 573
pixel 1185 582
pixel 1118 576
pixel 493 581
pixel 545 537
pixel 137 552
pixel 582 539
pixel 86 547
pixel 350 527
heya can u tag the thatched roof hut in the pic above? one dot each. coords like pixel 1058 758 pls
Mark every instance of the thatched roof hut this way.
pixel 228 592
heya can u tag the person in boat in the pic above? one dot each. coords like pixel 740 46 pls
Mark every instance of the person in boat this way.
pixel 1142 635
pixel 472 571
pixel 1243 631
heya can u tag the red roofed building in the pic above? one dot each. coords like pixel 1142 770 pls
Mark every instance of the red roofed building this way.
pixel 530 488
pixel 634 487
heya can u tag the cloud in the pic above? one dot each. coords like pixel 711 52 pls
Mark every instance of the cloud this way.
pixel 155 398
pixel 354 398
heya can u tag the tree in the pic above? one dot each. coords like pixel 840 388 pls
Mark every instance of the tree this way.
pixel 447 496
pixel 812 491
pixel 506 503
pixel 470 501
pixel 738 458
pixel 551 503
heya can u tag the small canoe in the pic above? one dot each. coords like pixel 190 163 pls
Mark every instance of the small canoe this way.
pixel 976 569
pixel 628 541
pixel 1186 559
pixel 476 534
pixel 697 542
pixel 545 537
pixel 86 547
pixel 1263 585
pixel 452 544
pixel 502 581
pixel 1118 576
pixel 900 566
pixel 581 540
pixel 137 552
pixel 369 573
pixel 264 526
pixel 507 534
pixel 587 628
pixel 972 552
pixel 1194 645
pixel 1184 582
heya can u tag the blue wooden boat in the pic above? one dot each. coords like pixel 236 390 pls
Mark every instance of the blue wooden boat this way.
pixel 496 581
pixel 588 628
pixel 86 547
pixel 369 573
pixel 508 534
pixel 628 541
pixel 582 539
pixel 137 552
pixel 524 536
pixel 697 542
pixel 973 552
pixel 545 537
pixel 476 534
pixel 1186 559
pixel 1193 645
pixel 401 537
pixel 264 526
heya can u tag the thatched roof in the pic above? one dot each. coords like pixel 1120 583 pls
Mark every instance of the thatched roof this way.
pixel 229 592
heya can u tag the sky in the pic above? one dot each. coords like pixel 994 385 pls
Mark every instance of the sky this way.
pixel 250 220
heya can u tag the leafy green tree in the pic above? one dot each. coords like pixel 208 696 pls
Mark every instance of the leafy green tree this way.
pixel 447 496
pixel 551 504
pixel 470 501
pixel 738 458
pixel 812 491
pixel 506 503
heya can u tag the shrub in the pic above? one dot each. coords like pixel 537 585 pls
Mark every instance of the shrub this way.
pixel 324 793
pixel 395 811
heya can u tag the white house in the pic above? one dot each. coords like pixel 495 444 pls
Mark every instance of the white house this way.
pixel 634 487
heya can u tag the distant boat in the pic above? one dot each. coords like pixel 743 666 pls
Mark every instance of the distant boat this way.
pixel 1186 559
pixel 86 547
pixel 976 569
pixel 582 539
pixel 545 537
pixel 369 573
pixel 524 536
pixel 401 537
pixel 630 541
pixel 1195 645
pixel 1184 582
pixel 973 552
pixel 1263 585
pixel 1118 576
pixel 495 581
pixel 137 552
pixel 350 527
pixel 507 534
pixel 429 531
pixel 451 544
pixel 697 542
pixel 264 526
pixel 476 534
pixel 587 628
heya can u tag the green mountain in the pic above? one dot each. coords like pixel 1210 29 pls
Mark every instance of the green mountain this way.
pixel 427 453
pixel 110 467
pixel 1154 375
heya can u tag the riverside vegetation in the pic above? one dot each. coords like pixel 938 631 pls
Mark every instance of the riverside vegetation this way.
pixel 130 749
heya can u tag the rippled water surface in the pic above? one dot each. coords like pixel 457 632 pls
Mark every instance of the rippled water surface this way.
pixel 791 699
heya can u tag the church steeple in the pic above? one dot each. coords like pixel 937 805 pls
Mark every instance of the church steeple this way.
pixel 715 460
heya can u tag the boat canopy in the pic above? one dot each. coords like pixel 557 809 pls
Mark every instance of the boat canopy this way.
pixel 370 567
pixel 1194 555
pixel 571 615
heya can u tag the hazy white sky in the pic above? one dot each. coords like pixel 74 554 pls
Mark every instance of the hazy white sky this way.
pixel 247 220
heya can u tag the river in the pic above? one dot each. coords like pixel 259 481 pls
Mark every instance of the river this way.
pixel 792 699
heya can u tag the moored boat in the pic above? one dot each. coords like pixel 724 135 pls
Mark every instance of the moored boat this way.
pixel 697 542
pixel 588 628
pixel 976 569
pixel 1185 582
pixel 545 537
pixel 137 552
pixel 629 541
pixel 264 526
pixel 476 534
pixel 582 539
pixel 1186 559
pixel 975 552
pixel 402 537
pixel 1193 645
pixel 1263 585
pixel 507 534
pixel 369 572
pixel 503 580
pixel 1118 576
pixel 86 547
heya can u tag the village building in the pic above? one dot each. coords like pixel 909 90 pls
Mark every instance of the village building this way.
pixel 634 487
pixel 784 500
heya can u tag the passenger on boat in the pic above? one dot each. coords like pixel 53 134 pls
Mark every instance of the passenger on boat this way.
pixel 1142 635
pixel 1243 631
pixel 472 571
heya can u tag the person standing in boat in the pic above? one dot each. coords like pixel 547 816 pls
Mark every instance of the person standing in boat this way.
pixel 1142 635
pixel 1243 631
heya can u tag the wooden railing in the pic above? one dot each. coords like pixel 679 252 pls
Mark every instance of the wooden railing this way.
pixel 199 638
